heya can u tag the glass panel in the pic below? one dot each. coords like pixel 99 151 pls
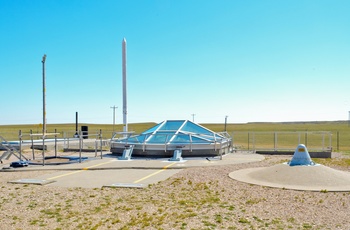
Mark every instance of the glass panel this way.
pixel 193 128
pixel 160 138
pixel 199 140
pixel 141 138
pixel 209 138
pixel 181 138
pixel 172 125
pixel 151 130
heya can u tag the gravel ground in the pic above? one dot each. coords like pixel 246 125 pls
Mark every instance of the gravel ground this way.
pixel 195 198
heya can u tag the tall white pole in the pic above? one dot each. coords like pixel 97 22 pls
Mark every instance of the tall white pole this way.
pixel 44 96
pixel 125 122
pixel 44 107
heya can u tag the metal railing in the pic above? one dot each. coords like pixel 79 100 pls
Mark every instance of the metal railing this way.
pixel 168 140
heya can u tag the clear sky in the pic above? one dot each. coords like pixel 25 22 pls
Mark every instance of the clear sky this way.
pixel 250 60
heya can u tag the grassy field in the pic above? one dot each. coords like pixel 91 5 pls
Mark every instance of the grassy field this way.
pixel 340 130
pixel 195 198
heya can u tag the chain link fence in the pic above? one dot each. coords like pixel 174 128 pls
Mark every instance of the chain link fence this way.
pixel 282 141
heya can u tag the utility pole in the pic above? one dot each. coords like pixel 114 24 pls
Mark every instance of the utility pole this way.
pixel 193 116
pixel 226 123
pixel 114 108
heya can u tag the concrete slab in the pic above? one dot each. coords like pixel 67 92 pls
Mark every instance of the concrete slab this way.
pixel 309 178
pixel 101 178
pixel 97 172
pixel 32 181
pixel 125 185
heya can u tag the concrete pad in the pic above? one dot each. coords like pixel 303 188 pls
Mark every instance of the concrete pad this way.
pixel 97 172
pixel 101 178
pixel 125 185
pixel 312 178
pixel 32 181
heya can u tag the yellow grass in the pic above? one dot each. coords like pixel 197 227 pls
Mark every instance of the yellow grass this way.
pixel 340 131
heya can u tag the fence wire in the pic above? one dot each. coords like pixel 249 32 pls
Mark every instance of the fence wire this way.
pixel 282 141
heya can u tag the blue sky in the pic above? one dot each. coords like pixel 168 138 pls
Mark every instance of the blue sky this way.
pixel 250 60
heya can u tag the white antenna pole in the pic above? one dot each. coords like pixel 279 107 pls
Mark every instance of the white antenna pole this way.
pixel 44 107
pixel 44 96
pixel 125 122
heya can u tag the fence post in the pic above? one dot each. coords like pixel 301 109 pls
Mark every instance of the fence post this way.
pixel 330 140
pixel 100 136
pixel 20 144
pixel 96 147
pixel 248 141
pixel 323 142
pixel 306 138
pixel 254 147
pixel 43 153
pixel 80 144
pixel 337 140
pixel 275 141
pixel 31 138
pixel 56 143
pixel 64 140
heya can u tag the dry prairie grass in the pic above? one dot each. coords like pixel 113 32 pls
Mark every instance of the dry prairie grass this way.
pixel 196 198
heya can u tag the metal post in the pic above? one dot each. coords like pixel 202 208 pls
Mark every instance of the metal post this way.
pixel 76 124
pixel 64 140
pixel 226 123
pixel 100 136
pixel 44 108
pixel 56 143
pixel 43 150
pixel 323 141
pixel 96 141
pixel 337 141
pixel 20 144
pixel 44 95
pixel 248 141
pixel 306 138
pixel 31 138
pixel 80 144
pixel 254 147
pixel 330 141
pixel 125 121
